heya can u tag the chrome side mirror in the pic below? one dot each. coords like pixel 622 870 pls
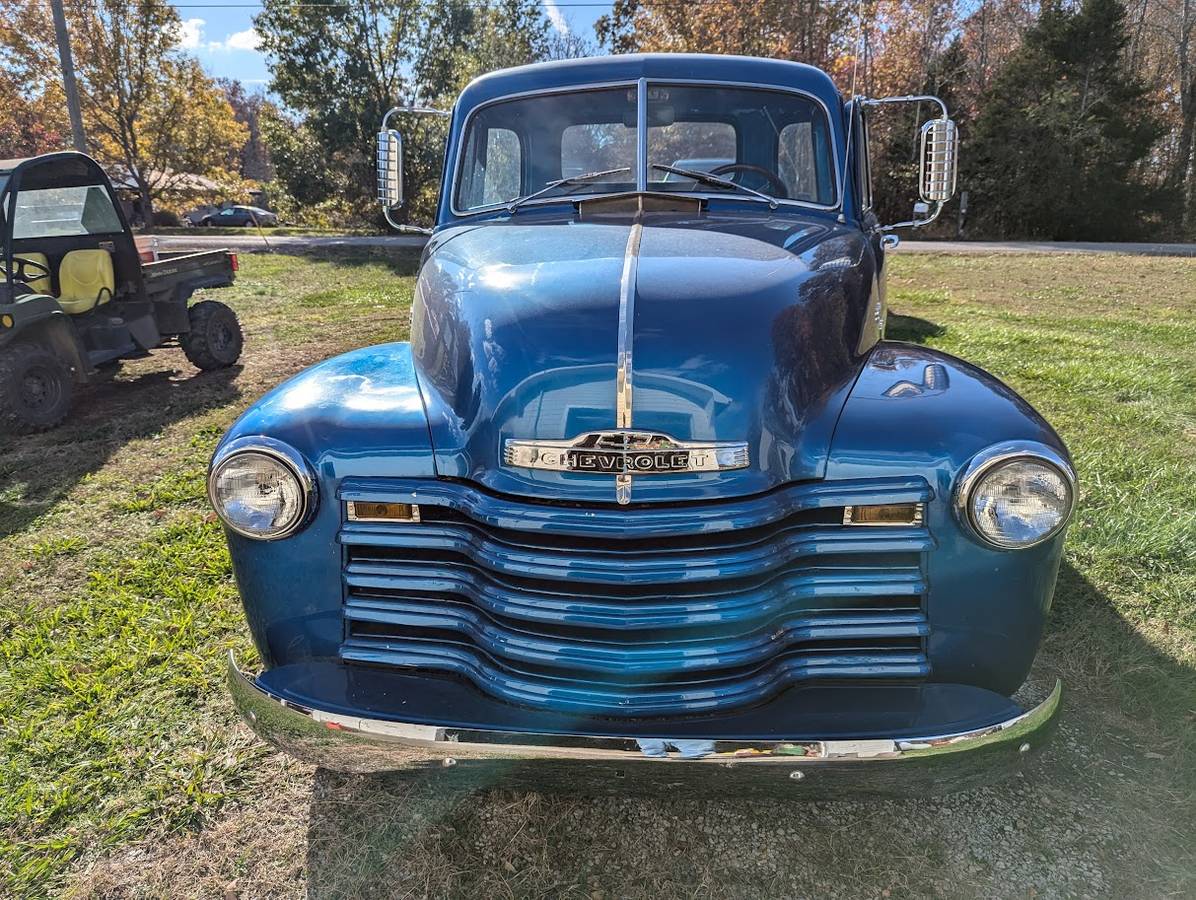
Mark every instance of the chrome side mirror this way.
pixel 390 169
pixel 939 161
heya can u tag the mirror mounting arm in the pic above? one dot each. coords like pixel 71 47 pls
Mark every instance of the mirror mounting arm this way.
pixel 415 110
pixel 939 160
pixel 390 166
pixel 908 98
pixel 402 228
pixel 916 222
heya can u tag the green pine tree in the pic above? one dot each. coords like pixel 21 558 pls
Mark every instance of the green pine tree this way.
pixel 894 138
pixel 1055 148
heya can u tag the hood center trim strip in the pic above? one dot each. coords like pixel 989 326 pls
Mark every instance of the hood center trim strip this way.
pixel 623 388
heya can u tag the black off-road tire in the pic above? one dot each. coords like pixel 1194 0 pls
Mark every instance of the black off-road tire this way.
pixel 36 389
pixel 215 339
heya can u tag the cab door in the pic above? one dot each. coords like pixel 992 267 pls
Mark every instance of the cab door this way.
pixel 861 186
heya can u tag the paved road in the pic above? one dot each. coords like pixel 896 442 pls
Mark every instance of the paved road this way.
pixel 984 248
pixel 250 242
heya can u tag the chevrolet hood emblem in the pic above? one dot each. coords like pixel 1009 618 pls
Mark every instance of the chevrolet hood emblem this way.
pixel 626 453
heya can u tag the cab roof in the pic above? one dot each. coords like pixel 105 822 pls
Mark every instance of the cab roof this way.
pixel 742 70
pixel 66 168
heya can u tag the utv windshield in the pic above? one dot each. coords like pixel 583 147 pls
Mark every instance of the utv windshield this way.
pixel 768 142
pixel 63 211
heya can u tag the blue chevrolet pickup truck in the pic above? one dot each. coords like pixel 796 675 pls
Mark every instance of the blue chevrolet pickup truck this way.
pixel 648 501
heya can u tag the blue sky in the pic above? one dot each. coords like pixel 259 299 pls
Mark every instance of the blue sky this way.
pixel 221 34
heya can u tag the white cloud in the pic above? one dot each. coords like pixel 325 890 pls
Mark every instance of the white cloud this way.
pixel 247 40
pixel 191 33
pixel 556 17
pixel 243 40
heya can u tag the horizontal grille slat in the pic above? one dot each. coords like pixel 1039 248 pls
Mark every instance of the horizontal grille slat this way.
pixel 687 608
pixel 575 694
pixel 612 566
pixel 679 519
pixel 727 604
pixel 648 655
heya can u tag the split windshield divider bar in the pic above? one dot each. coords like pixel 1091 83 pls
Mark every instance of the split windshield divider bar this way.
pixel 641 135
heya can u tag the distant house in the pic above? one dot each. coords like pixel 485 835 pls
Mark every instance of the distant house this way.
pixel 186 185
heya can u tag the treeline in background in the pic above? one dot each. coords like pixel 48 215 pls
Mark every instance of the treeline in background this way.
pixel 1078 119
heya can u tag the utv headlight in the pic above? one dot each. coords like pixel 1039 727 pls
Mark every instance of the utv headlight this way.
pixel 261 488
pixel 1016 495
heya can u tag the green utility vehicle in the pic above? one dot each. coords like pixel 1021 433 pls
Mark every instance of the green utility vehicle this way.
pixel 77 296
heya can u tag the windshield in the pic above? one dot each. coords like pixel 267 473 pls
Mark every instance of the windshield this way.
pixel 774 142
pixel 55 212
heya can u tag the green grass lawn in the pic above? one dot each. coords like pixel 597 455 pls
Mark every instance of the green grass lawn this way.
pixel 117 602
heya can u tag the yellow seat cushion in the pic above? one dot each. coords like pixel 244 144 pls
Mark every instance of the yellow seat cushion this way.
pixel 37 285
pixel 85 280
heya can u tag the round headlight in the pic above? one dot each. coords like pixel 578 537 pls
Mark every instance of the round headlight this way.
pixel 261 492
pixel 1015 500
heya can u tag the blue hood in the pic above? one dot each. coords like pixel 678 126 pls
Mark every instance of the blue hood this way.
pixel 749 327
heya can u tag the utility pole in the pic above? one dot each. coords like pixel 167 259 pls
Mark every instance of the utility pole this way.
pixel 68 77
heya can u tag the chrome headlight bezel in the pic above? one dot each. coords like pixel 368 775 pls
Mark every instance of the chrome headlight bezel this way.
pixel 999 455
pixel 290 458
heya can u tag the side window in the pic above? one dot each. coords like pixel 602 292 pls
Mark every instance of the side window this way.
pixel 863 161
pixel 493 168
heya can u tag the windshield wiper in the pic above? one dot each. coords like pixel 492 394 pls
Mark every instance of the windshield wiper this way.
pixel 563 182
pixel 707 178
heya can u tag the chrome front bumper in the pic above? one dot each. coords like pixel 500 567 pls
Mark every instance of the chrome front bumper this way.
pixel 581 765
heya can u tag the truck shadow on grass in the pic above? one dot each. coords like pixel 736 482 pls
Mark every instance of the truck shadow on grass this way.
pixel 36 471
pixel 911 328
pixel 1105 810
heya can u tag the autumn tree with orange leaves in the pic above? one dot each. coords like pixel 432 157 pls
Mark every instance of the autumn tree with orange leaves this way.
pixel 151 113
pixel 958 50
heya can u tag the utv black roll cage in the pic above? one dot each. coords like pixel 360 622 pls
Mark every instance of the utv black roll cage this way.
pixel 65 169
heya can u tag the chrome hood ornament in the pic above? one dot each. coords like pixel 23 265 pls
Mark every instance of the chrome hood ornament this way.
pixel 624 453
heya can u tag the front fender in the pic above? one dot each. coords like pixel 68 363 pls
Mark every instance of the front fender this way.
pixel 355 414
pixel 40 318
pixel 915 410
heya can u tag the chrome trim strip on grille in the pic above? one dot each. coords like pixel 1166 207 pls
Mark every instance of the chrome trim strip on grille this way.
pixel 623 387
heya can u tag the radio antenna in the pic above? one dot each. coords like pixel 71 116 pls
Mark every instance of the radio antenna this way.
pixel 859 45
